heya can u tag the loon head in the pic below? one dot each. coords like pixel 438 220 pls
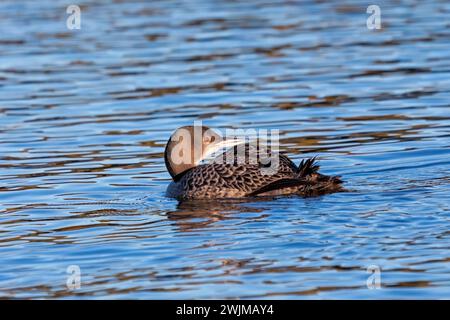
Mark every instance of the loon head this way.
pixel 189 145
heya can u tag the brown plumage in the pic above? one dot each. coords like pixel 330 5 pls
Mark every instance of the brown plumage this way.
pixel 237 179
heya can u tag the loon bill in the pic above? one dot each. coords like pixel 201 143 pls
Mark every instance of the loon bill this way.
pixel 192 179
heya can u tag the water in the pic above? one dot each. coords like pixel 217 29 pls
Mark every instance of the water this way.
pixel 85 114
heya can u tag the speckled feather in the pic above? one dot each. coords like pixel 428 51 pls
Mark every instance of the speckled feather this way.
pixel 236 180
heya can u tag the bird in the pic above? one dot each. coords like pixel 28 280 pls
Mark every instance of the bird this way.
pixel 234 174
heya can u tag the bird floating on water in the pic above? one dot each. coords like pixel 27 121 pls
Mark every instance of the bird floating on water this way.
pixel 232 176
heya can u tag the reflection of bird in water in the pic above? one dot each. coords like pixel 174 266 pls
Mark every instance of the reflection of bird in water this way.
pixel 193 215
pixel 249 175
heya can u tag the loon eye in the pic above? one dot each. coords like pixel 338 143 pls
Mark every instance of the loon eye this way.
pixel 208 139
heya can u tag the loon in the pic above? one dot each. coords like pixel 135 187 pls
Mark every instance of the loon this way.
pixel 189 146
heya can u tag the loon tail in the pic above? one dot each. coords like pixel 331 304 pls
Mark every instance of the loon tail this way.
pixel 307 167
